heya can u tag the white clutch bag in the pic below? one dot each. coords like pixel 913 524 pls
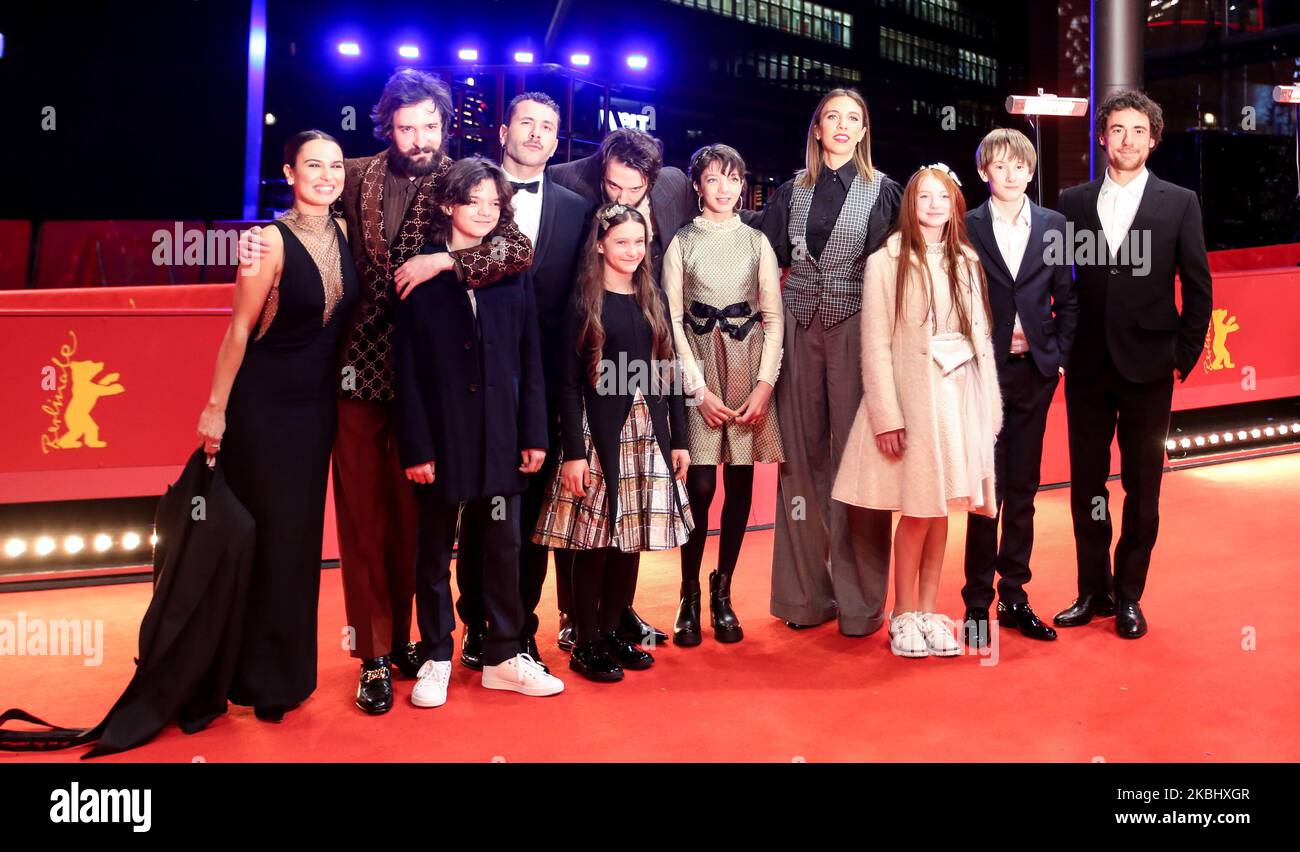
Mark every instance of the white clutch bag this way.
pixel 951 351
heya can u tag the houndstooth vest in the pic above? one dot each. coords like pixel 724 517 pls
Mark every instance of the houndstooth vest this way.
pixel 830 285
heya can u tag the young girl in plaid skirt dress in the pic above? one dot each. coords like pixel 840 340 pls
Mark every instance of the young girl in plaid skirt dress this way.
pixel 619 489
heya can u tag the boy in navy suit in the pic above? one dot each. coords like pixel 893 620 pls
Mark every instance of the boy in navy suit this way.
pixel 1035 310
pixel 471 416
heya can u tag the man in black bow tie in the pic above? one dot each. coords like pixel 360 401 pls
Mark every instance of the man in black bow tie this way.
pixel 554 219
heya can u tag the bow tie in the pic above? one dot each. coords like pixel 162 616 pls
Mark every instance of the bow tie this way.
pixel 526 187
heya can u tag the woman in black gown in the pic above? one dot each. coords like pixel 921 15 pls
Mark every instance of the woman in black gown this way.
pixel 271 416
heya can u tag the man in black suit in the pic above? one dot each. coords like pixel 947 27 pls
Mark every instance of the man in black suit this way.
pixel 1035 311
pixel 628 169
pixel 1129 233
pixel 555 219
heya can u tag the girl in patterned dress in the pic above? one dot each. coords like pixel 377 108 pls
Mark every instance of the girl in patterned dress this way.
pixel 724 289
pixel 618 490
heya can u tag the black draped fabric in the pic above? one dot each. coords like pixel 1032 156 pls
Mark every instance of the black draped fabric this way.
pixel 280 423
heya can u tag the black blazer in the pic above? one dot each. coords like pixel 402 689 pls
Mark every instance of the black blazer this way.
pixel 1043 295
pixel 671 200
pixel 470 392
pixel 1133 316
pixel 627 341
pixel 553 271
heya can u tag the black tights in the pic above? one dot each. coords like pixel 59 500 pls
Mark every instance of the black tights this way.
pixel 701 484
pixel 603 583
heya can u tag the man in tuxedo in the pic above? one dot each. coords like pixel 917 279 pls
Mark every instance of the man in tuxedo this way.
pixel 628 169
pixel 1131 341
pixel 1035 311
pixel 554 218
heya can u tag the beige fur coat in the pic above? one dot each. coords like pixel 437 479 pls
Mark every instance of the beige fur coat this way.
pixel 899 377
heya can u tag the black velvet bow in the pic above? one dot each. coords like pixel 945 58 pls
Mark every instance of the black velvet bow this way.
pixel 710 315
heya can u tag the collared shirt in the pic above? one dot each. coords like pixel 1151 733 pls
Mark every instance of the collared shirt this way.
pixel 1118 205
pixel 828 199
pixel 528 206
pixel 1012 236
pixel 399 192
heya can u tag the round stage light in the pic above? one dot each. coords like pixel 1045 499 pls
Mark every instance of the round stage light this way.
pixel 44 546
pixel 467 54
pixel 1227 437
pixel 1255 433
pixel 523 56
pixel 1270 431
pixel 130 541
pixel 349 48
pixel 15 547
pixel 637 62
pixel 74 544
pixel 1199 441
pixel 1185 443
pixel 1214 439
pixel 409 51
pixel 269 119
pixel 581 60
pixel 1171 444
pixel 1283 429
pixel 1241 434
pixel 103 542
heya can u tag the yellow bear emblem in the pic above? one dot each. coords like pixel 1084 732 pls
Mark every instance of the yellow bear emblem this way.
pixel 1219 358
pixel 86 391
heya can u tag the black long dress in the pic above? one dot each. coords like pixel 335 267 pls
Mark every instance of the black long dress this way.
pixel 280 422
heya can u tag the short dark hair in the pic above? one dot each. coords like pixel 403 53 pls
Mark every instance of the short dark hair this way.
pixel 455 186
pixel 302 137
pixel 634 148
pixel 405 88
pixel 537 97
pixel 727 158
pixel 1130 99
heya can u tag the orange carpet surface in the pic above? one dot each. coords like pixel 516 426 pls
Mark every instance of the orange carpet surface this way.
pixel 1216 680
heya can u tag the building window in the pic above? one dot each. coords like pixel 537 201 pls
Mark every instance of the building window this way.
pixel 949 14
pixel 909 49
pixel 797 17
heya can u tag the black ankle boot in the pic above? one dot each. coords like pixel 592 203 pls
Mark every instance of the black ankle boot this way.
pixel 726 626
pixel 686 632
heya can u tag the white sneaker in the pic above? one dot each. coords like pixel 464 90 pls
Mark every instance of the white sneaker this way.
pixel 522 674
pixel 940 634
pixel 431 688
pixel 905 638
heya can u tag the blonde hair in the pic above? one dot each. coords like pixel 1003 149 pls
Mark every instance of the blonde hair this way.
pixel 813 157
pixel 1004 140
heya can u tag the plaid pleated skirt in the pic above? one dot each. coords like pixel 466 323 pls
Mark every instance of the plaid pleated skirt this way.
pixel 652 512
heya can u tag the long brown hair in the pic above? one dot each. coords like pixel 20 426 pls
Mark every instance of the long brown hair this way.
pixel 956 246
pixel 591 295
pixel 813 156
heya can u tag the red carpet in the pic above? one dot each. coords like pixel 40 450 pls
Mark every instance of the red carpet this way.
pixel 1225 570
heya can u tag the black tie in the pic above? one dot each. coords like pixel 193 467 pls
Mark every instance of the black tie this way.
pixel 526 187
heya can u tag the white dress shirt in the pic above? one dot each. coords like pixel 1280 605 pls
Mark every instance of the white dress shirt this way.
pixel 528 207
pixel 1118 205
pixel 1012 236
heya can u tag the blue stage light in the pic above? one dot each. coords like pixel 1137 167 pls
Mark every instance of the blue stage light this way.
pixel 637 62
pixel 582 60
pixel 468 54
pixel 523 56
pixel 349 48
pixel 409 51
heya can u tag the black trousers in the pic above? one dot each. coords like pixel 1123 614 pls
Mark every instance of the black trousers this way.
pixel 1098 408
pixel 1018 460
pixel 495 522
pixel 532 557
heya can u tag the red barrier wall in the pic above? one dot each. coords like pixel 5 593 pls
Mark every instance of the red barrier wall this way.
pixel 158 344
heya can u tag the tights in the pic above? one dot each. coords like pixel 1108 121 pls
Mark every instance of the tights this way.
pixel 701 483
pixel 603 583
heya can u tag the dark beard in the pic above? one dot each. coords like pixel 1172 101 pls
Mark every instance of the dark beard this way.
pixel 407 166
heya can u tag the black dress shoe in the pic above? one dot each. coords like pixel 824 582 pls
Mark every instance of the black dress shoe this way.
pixel 626 654
pixel 636 631
pixel 375 688
pixel 471 648
pixel 592 660
pixel 1022 618
pixel 796 626
pixel 530 648
pixel 686 632
pixel 272 712
pixel 1083 609
pixel 568 635
pixel 406 658
pixel 975 627
pixel 1129 621
pixel 726 626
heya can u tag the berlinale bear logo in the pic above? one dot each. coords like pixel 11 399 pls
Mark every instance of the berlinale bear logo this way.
pixel 71 425
pixel 1217 356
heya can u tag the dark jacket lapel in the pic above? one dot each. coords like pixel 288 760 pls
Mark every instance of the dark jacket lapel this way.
pixel 983 230
pixel 548 219
pixel 1033 257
